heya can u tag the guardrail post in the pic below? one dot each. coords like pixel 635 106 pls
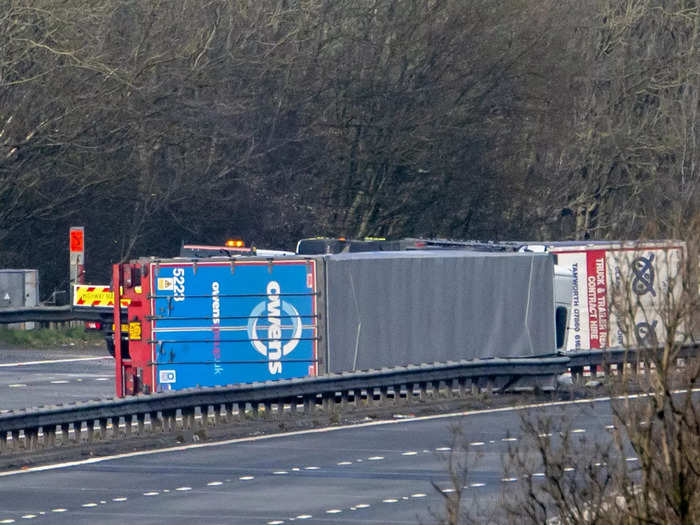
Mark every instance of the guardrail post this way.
pixel 383 394
pixel 49 436
pixel 31 438
pixel 3 441
pixel 309 402
pixel 325 404
pixel 355 397
pixel 397 394
pixel 128 424
pixel 90 426
pixel 64 433
pixel 169 421
pixel 576 373
pixel 187 418
pixel 14 434
pixel 103 427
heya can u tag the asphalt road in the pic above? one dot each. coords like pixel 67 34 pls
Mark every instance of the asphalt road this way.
pixel 379 473
pixel 30 378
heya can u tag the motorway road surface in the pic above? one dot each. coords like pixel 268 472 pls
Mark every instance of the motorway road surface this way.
pixel 378 473
pixel 30 378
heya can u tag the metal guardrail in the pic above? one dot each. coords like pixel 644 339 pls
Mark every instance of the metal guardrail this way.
pixel 619 356
pixel 37 428
pixel 49 314
pixel 158 412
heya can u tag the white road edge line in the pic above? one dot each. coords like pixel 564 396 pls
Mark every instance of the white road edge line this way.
pixel 324 430
pixel 53 361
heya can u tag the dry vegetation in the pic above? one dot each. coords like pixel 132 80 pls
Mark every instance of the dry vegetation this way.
pixel 153 122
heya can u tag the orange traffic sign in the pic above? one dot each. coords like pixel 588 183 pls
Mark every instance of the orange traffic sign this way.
pixel 77 240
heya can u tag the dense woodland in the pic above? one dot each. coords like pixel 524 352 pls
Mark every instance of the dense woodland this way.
pixel 153 122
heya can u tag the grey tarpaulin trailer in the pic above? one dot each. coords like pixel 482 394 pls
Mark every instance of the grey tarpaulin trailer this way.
pixel 412 307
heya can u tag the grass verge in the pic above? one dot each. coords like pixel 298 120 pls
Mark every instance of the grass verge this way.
pixel 49 337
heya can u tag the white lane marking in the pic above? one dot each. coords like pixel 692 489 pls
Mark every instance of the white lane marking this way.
pixel 334 511
pixel 59 510
pixel 344 463
pixel 154 493
pixel 443 449
pixel 477 484
pixel 246 478
pixel 447 491
pixel 53 361
pixel 9 520
pixel 630 459
pixel 363 506
pixel 476 444
pixel 17 385
pixel 418 419
pixel 578 430
pixel 508 480
pixel 276 522
pixel 569 469
pixel 509 439
pixel 29 516
pixel 375 458
pixel 390 500
pixel 88 505
pixel 59 382
pixel 214 483
pixel 409 453
pixel 102 378
pixel 538 475
pixel 119 500
pixel 304 516
pixel 183 489
pixel 609 427
pixel 312 468
pixel 546 435
pixel 280 472
pixel 418 495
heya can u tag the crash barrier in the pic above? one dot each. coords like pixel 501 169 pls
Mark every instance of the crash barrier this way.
pixel 612 360
pixel 50 314
pixel 37 428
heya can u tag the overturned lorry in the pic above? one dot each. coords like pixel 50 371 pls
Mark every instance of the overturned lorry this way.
pixel 243 318
pixel 622 293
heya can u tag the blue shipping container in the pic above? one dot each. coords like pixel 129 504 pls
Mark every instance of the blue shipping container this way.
pixel 218 323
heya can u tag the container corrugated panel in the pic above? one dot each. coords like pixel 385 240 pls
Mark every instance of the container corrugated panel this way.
pixel 223 322
pixel 399 308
